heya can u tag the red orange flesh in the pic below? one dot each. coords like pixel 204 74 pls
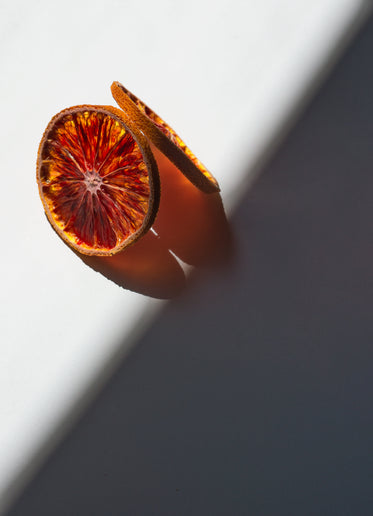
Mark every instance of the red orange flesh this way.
pixel 97 179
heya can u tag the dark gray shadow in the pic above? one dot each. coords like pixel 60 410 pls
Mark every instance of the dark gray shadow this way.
pixel 252 394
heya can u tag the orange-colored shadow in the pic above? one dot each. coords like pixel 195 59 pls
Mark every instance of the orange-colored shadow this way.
pixel 146 267
pixel 189 223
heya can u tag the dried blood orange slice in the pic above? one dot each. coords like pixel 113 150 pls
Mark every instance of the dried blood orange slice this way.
pixel 97 179
pixel 165 138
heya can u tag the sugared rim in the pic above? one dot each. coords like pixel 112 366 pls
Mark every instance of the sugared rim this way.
pixel 150 163
pixel 165 138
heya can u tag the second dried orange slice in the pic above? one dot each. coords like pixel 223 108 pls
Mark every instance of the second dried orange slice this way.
pixel 165 138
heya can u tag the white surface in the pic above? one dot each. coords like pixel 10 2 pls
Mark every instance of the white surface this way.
pixel 225 75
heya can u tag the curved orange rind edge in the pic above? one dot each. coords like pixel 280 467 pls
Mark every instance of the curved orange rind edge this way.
pixel 164 138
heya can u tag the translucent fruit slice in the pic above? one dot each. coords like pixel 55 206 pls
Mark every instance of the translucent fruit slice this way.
pixel 165 138
pixel 97 178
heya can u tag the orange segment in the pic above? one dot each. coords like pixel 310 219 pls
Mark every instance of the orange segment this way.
pixel 97 179
pixel 165 138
